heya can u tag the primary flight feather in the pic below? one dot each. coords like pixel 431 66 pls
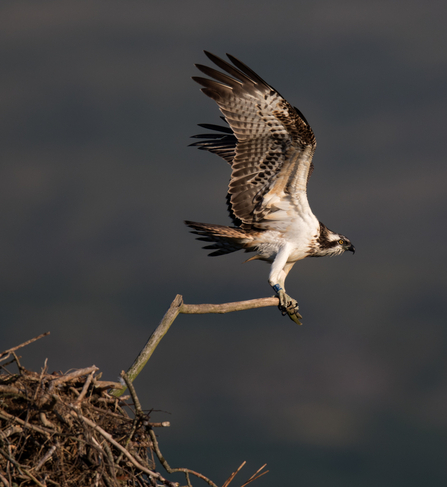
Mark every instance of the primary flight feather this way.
pixel 269 145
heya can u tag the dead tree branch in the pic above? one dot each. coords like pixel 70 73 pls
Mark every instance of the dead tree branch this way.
pixel 179 307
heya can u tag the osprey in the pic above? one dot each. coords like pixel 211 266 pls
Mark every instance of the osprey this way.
pixel 269 145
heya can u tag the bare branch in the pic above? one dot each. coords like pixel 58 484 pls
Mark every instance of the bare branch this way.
pixel 228 307
pixel 153 341
pixel 177 307
pixel 7 352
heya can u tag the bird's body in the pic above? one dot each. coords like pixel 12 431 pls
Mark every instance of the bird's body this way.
pixel 270 146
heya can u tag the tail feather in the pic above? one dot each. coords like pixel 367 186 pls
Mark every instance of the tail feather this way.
pixel 225 239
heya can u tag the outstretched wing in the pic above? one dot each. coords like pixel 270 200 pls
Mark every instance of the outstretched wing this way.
pixel 275 144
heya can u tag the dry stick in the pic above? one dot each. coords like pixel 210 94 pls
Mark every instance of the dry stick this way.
pixel 111 461
pixel 133 393
pixel 102 455
pixel 10 417
pixel 39 384
pixel 240 306
pixel 24 344
pixel 188 481
pixel 84 389
pixel 255 476
pixel 46 457
pixel 73 375
pixel 21 468
pixel 12 430
pixel 177 307
pixel 110 439
pixel 231 477
pixel 139 412
pixel 199 309
pixel 153 341
pixel 5 482
pixel 169 469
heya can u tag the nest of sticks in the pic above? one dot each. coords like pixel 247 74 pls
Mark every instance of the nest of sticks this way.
pixel 71 430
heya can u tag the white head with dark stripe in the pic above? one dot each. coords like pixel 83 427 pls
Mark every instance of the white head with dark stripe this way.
pixel 329 243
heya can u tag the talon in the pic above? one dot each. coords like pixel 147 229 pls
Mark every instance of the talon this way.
pixel 288 306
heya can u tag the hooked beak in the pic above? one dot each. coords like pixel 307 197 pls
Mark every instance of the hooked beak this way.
pixel 351 248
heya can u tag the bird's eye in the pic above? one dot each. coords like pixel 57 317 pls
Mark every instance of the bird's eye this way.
pixel 341 241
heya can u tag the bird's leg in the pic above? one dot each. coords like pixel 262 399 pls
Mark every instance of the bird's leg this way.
pixel 287 305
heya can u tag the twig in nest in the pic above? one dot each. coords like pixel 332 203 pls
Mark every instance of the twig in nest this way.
pixel 9 417
pixel 4 481
pixel 131 388
pixel 8 352
pixel 73 375
pixel 108 437
pixel 85 388
pixel 20 468
pixel 46 457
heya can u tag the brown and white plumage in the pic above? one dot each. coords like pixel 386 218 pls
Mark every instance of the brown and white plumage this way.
pixel 269 145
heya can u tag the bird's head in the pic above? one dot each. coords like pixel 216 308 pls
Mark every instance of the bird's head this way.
pixel 341 244
pixel 330 243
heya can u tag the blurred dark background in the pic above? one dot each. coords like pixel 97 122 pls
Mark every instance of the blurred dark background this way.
pixel 96 110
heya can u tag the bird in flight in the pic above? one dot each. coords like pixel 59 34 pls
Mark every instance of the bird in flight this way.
pixel 269 145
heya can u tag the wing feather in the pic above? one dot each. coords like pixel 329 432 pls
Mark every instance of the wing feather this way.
pixel 223 143
pixel 272 159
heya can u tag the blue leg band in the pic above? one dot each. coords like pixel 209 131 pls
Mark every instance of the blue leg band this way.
pixel 277 288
